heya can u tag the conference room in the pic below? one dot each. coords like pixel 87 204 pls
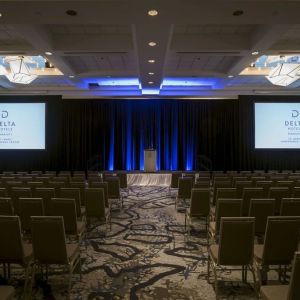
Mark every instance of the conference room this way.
pixel 149 150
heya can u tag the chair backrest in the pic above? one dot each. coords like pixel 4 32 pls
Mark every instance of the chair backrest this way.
pixel 46 194
pixel 294 288
pixel 3 192
pixel 78 178
pixel 202 184
pixel 236 241
pixel 101 185
pixel 200 203
pixel 251 193
pixel 227 193
pixel 240 185
pixel 266 184
pixel 261 209
pixel 30 207
pixel 220 184
pixel 48 240
pixel 17 193
pixel 281 240
pixel 278 193
pixel 35 184
pixel 11 250
pixel 290 207
pixel 123 179
pixel 72 193
pixel 113 187
pixel 227 208
pixel 95 203
pixel 185 186
pixel 6 208
pixel 285 183
pixel 296 192
pixel 81 186
pixel 67 209
pixel 57 185
pixel 92 179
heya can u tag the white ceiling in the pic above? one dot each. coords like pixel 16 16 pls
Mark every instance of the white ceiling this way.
pixel 197 40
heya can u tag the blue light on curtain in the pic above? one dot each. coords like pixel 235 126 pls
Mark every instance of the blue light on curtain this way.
pixel 111 147
pixel 129 140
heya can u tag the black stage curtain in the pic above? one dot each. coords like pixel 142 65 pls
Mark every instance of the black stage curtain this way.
pixel 180 130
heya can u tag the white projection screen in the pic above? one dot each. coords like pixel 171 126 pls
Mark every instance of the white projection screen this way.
pixel 22 126
pixel 277 125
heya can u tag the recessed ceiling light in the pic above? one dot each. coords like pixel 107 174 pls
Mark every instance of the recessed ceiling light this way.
pixel 254 52
pixel 151 61
pixel 71 76
pixel 71 12
pixel 152 44
pixel 230 76
pixel 0 15
pixel 150 82
pixel 48 53
pixel 152 12
pixel 238 12
pixel 151 73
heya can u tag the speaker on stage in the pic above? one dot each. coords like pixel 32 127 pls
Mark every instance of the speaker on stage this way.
pixel 150 160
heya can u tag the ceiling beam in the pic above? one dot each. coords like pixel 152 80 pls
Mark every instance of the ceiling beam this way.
pixel 153 31
pixel 92 42
pixel 261 40
pixel 39 38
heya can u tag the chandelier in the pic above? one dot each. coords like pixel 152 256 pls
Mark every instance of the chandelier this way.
pixel 20 70
pixel 284 74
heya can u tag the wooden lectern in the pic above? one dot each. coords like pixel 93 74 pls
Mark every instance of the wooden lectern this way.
pixel 150 160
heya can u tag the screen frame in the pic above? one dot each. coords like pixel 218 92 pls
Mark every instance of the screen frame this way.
pixel 29 101
pixel 279 101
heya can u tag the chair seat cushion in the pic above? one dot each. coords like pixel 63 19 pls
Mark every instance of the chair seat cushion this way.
pixel 274 292
pixel 258 252
pixel 6 292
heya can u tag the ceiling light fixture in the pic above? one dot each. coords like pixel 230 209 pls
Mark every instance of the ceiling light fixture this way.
pixel 152 44
pixel 48 53
pixel 71 76
pixel 284 74
pixel 255 53
pixel 238 12
pixel 71 12
pixel 230 76
pixel 20 71
pixel 152 12
pixel 150 82
pixel 151 73
pixel 151 61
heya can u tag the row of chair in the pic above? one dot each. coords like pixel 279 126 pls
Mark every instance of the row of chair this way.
pixel 236 248
pixel 48 247
pixel 67 205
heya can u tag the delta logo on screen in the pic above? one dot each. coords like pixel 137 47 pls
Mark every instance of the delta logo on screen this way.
pixel 22 126
pixel 277 125
pixel 5 122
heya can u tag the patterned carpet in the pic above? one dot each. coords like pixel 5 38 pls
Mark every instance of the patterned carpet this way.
pixel 145 256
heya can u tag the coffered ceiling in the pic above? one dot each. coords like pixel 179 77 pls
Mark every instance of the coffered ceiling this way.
pixel 102 47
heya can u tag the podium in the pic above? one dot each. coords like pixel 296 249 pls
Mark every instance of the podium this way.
pixel 150 160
